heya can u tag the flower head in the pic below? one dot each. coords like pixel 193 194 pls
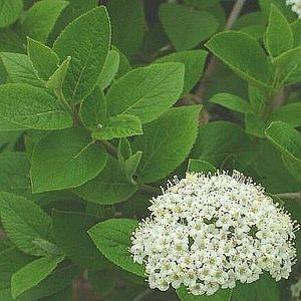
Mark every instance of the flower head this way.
pixel 296 6
pixel 209 231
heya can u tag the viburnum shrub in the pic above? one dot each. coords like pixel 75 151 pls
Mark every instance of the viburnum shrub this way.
pixel 150 150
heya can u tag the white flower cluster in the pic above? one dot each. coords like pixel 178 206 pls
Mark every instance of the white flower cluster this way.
pixel 209 231
pixel 296 290
pixel 296 6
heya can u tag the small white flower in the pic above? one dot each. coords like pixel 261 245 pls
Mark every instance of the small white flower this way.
pixel 296 6
pixel 208 232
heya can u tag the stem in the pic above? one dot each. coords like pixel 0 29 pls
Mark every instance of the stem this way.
pixel 143 295
pixel 230 295
pixel 236 10
pixel 290 195
pixel 150 189
pixel 111 149
pixel 213 62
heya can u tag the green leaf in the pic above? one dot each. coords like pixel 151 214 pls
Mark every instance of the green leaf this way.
pixel 166 142
pixel 194 61
pixel 119 126
pixel 56 80
pixel 178 20
pixel 64 295
pixel 257 99
pixel 221 295
pixel 271 170
pixel 31 139
pixel 232 102
pixel 255 31
pixel 124 150
pixel 131 165
pixel 285 9
pixel 288 141
pixel 264 289
pixel 247 58
pixel 124 65
pixel 279 36
pixel 109 70
pixel 75 9
pixel 10 41
pixel 218 11
pixel 14 171
pixel 255 125
pixel 289 114
pixel 19 69
pixel 44 60
pixel 296 28
pixel 109 187
pixel 201 4
pixel 218 141
pixel 11 260
pixel 69 229
pixel 289 66
pixel 250 19
pixel 41 17
pixel 23 222
pixel 32 274
pixel 87 41
pixel 54 283
pixel 27 107
pixel 65 159
pixel 202 166
pixel 128 25
pixel 9 139
pixel 285 138
pixel 9 11
pixel 146 92
pixel 93 110
pixel 50 248
pixel 113 239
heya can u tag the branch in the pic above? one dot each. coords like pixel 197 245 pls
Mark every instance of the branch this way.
pixel 236 10
pixel 212 63
pixel 290 196
pixel 141 296
pixel 110 148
